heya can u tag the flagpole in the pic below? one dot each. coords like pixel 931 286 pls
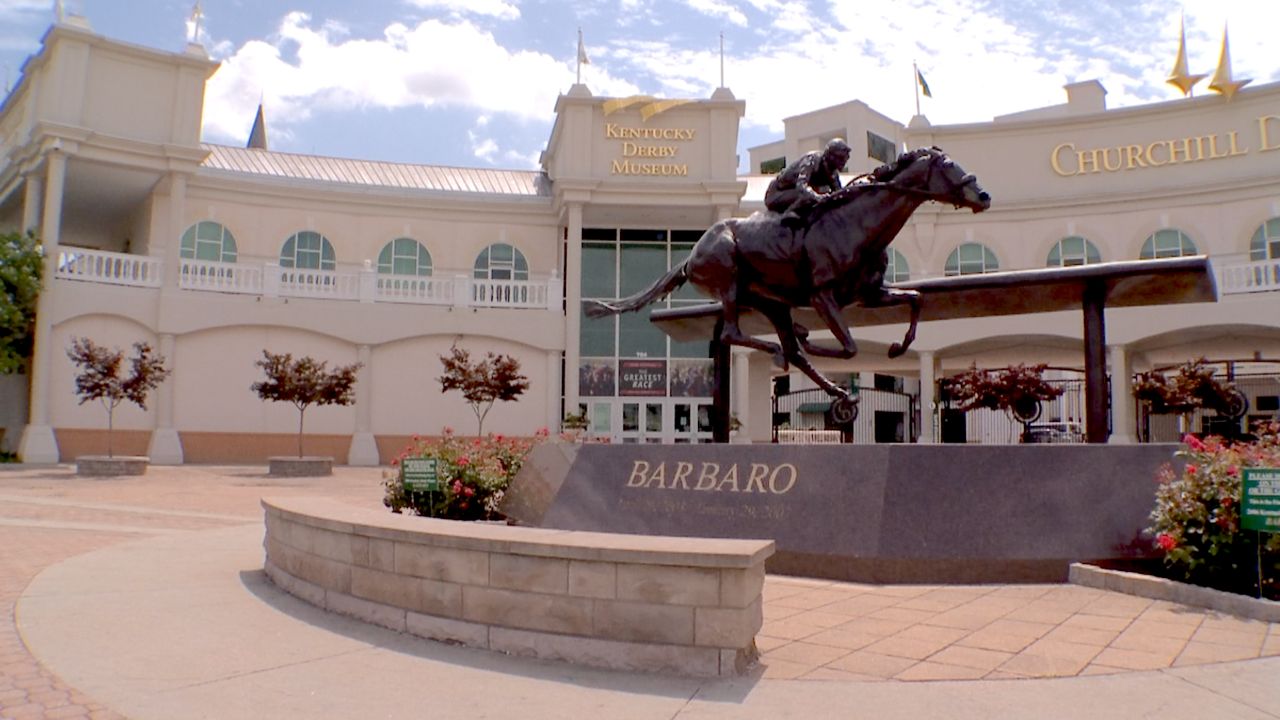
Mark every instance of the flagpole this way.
pixel 721 58
pixel 579 81
pixel 915 82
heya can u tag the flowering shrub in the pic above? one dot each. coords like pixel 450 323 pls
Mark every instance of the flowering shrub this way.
pixel 1196 521
pixel 1018 389
pixel 474 474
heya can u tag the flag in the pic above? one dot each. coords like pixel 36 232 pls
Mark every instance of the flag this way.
pixel 924 86
pixel 582 51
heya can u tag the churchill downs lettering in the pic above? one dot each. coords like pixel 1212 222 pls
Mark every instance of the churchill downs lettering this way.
pixel 638 157
pixel 714 477
pixel 1067 160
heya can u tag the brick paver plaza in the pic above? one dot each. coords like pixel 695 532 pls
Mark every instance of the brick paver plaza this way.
pixel 813 630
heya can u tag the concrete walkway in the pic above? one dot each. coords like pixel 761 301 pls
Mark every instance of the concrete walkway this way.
pixel 144 598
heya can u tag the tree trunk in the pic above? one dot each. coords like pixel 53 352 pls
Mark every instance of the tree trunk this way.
pixel 111 411
pixel 301 414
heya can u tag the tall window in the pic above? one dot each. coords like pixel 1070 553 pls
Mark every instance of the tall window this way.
pixel 1074 250
pixel 897 271
pixel 971 259
pixel 404 256
pixel 307 250
pixel 501 261
pixel 207 240
pixel 1167 243
pixel 1266 241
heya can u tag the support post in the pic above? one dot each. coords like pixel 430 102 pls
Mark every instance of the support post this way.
pixel 928 386
pixel 38 444
pixel 364 446
pixel 573 307
pixel 1124 414
pixel 166 444
pixel 1095 362
pixel 721 370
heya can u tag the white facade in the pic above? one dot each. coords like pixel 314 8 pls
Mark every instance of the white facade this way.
pixel 100 154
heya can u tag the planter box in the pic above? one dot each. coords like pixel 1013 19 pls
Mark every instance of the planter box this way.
pixel 1157 588
pixel 117 466
pixel 309 466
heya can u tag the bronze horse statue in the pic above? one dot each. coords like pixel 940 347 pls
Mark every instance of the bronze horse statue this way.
pixel 839 259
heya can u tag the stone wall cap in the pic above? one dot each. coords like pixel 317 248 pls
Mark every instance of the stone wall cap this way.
pixel 331 514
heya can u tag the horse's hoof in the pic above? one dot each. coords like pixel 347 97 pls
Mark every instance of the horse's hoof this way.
pixel 896 350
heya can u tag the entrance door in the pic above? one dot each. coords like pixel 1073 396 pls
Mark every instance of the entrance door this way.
pixel 652 420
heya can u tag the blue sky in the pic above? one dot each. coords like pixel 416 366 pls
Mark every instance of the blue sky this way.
pixel 474 82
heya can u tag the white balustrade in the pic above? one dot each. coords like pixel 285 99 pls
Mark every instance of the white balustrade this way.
pixel 424 290
pixel 1249 277
pixel 108 267
pixel 220 276
pixel 508 293
pixel 326 284
pixel 809 437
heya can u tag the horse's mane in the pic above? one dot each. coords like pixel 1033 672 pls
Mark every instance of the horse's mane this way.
pixel 876 178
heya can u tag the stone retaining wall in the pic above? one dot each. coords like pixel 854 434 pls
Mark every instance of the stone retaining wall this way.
pixel 690 606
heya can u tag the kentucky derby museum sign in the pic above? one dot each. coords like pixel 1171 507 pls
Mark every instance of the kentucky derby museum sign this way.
pixel 872 513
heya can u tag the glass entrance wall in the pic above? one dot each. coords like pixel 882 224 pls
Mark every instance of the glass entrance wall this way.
pixel 636 384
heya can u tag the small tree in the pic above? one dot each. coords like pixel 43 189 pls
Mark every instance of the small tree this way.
pixel 20 268
pixel 1017 389
pixel 482 383
pixel 100 378
pixel 304 382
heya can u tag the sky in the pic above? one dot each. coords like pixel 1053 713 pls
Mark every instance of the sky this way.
pixel 473 83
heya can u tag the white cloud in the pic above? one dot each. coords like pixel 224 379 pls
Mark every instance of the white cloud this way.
pixel 719 9
pixel 491 8
pixel 434 64
pixel 23 10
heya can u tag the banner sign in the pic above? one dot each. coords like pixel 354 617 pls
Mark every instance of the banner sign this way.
pixel 1260 501
pixel 640 377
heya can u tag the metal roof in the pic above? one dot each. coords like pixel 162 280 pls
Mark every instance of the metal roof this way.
pixel 377 174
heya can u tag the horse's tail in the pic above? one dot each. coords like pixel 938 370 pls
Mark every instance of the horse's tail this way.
pixel 660 288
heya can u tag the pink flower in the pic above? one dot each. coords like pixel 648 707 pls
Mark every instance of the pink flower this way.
pixel 1166 541
pixel 1192 442
pixel 1233 471
pixel 463 461
pixel 498 437
pixel 448 430
pixel 457 487
pixel 468 491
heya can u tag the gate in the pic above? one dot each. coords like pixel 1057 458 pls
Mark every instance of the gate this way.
pixel 884 416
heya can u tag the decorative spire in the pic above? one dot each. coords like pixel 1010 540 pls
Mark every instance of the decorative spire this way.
pixel 197 16
pixel 1180 77
pixel 1222 82
pixel 258 135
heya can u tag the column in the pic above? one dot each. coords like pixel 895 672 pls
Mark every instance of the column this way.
pixel 742 393
pixel 573 307
pixel 166 444
pixel 553 391
pixel 928 386
pixel 171 250
pixel 364 447
pixel 1124 417
pixel 1095 362
pixel 31 199
pixel 38 444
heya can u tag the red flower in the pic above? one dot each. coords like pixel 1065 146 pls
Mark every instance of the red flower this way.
pixel 468 491
pixel 1233 471
pixel 1191 469
pixel 1225 502
pixel 1192 442
pixel 463 461
pixel 1166 541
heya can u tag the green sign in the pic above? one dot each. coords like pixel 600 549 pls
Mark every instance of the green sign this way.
pixel 419 474
pixel 1260 502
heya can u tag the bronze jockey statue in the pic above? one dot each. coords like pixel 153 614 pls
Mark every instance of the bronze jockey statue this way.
pixel 797 189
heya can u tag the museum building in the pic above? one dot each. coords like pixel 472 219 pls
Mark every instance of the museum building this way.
pixel 213 253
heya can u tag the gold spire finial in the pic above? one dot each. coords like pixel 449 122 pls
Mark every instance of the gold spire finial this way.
pixel 1180 77
pixel 1222 82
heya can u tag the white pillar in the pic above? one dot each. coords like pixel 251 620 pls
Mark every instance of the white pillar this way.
pixel 166 445
pixel 38 444
pixel 553 391
pixel 573 308
pixel 31 199
pixel 171 251
pixel 742 393
pixel 364 447
pixel 928 382
pixel 1124 419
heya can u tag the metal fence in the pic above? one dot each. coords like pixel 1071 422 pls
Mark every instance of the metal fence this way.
pixel 884 416
pixel 1261 389
pixel 1061 420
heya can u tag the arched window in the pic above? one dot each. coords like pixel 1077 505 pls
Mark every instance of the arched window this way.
pixel 1167 243
pixel 1266 241
pixel 404 256
pixel 501 261
pixel 1073 250
pixel 307 250
pixel 971 259
pixel 207 240
pixel 897 270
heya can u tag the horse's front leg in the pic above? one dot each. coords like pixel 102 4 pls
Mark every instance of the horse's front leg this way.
pixel 896 296
pixel 825 305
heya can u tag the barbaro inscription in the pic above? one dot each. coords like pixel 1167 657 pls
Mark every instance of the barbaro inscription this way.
pixel 713 477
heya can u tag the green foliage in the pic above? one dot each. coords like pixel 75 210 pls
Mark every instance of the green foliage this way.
pixel 483 382
pixel 304 382
pixel 100 378
pixel 1196 520
pixel 474 475
pixel 21 263
pixel 1005 389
